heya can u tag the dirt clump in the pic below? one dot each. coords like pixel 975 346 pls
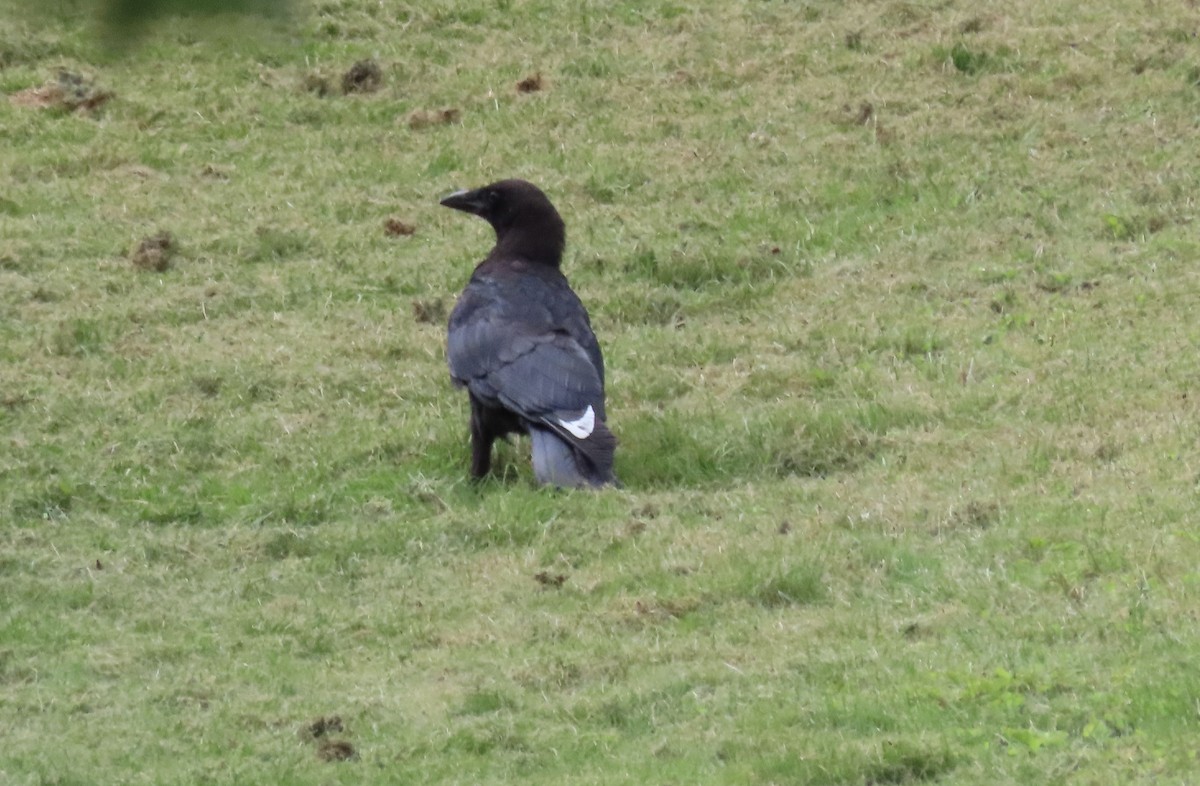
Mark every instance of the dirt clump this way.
pixel 336 750
pixel 365 76
pixel 322 726
pixel 154 252
pixel 398 228
pixel 318 731
pixel 531 84
pixel 69 92
pixel 548 579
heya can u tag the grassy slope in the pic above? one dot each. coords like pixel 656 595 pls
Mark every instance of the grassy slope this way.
pixel 899 303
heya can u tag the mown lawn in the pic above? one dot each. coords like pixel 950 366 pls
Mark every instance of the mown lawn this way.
pixel 901 310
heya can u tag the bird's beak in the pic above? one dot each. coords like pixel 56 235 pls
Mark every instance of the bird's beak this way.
pixel 466 201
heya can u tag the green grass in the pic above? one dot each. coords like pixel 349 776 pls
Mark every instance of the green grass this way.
pixel 898 304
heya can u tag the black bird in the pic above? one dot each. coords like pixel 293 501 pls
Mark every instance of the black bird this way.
pixel 521 344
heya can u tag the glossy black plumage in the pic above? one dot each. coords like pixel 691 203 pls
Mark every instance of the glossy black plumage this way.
pixel 521 343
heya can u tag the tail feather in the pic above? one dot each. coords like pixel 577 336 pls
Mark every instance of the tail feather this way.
pixel 560 460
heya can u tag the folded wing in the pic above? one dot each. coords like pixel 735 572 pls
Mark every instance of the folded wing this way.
pixel 546 377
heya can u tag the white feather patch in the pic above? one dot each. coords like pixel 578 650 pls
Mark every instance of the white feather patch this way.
pixel 581 428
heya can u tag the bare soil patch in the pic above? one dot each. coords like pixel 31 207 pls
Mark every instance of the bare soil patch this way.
pixel 69 91
pixel 365 76
pixel 154 252
pixel 531 84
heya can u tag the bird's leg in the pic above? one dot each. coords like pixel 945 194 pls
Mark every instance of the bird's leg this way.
pixel 481 442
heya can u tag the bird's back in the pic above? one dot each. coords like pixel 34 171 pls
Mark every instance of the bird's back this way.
pixel 507 303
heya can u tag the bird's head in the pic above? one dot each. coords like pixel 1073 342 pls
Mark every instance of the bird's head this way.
pixel 523 217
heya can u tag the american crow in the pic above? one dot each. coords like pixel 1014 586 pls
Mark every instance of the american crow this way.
pixel 521 344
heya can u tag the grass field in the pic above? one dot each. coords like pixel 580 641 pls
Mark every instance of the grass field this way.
pixel 901 308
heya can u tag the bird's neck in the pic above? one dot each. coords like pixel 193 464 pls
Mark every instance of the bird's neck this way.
pixel 544 247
